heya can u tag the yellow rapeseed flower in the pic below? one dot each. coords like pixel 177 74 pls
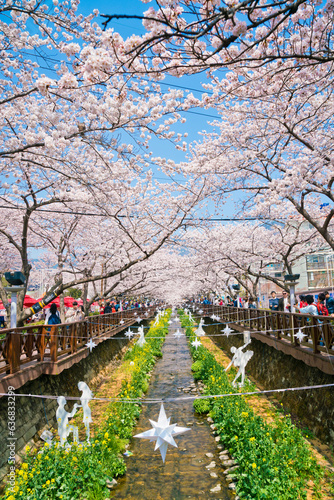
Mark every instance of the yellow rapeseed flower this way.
pixel 254 465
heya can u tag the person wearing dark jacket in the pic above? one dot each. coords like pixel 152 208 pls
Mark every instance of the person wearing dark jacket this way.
pixel 329 303
pixel 108 309
pixel 283 303
pixel 53 318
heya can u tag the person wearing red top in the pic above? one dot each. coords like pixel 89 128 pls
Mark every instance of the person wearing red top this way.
pixel 302 301
pixel 322 309
pixel 101 307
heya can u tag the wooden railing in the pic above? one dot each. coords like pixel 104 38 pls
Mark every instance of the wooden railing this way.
pixel 20 346
pixel 318 330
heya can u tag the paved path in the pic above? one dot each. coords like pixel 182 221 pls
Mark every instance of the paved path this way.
pixel 184 474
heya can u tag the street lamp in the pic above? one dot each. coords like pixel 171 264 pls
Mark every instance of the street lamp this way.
pixel 17 284
pixel 236 288
pixel 292 280
pixel 329 272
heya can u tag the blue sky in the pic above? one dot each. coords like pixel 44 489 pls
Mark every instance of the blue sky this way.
pixel 197 120
pixel 127 27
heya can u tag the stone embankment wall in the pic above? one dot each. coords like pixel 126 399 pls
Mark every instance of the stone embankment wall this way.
pixel 33 414
pixel 273 369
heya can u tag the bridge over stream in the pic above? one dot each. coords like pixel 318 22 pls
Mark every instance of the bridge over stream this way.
pixel 28 352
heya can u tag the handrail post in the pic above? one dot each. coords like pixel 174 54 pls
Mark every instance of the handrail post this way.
pixel 14 351
pixel 54 344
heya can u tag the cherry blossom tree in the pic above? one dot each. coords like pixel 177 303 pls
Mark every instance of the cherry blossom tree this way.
pixel 244 253
pixel 189 36
pixel 76 177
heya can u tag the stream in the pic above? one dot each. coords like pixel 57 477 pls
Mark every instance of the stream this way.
pixel 184 474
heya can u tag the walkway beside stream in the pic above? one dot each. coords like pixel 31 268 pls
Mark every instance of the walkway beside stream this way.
pixel 185 473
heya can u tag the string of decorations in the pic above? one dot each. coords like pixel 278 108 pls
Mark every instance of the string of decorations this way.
pixel 173 400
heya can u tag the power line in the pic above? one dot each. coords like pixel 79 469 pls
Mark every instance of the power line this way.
pixel 91 214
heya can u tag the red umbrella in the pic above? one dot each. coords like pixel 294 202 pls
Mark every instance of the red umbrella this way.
pixel 68 301
pixel 80 302
pixel 29 301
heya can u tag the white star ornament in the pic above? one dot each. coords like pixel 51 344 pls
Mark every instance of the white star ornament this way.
pixel 162 432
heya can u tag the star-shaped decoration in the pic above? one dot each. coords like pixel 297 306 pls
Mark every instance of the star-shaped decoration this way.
pixel 227 330
pixel 178 334
pixel 146 314
pixel 196 343
pixel 162 432
pixel 129 333
pixel 170 322
pixel 139 320
pixel 300 335
pixel 200 311
pixel 121 322
pixel 213 317
pixel 90 344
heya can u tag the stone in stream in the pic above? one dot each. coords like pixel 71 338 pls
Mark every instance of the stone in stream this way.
pixel 231 486
pixel 231 469
pixel 211 465
pixel 111 484
pixel 217 439
pixel 219 447
pixel 231 477
pixel 213 427
pixel 216 489
pixel 213 474
pixel 228 463
pixel 209 419
pixel 209 455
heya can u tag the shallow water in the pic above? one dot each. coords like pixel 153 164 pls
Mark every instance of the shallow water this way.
pixel 184 474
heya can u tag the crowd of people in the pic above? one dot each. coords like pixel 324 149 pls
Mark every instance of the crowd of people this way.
pixel 306 304
pixel 324 306
pixel 51 315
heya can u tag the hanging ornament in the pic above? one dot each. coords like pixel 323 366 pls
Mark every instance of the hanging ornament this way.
pixel 141 341
pixel 200 332
pixel 196 343
pixel 227 330
pixel 178 334
pixel 90 344
pixel 300 335
pixel 162 432
pixel 240 360
pixel 129 333
pixel 85 398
